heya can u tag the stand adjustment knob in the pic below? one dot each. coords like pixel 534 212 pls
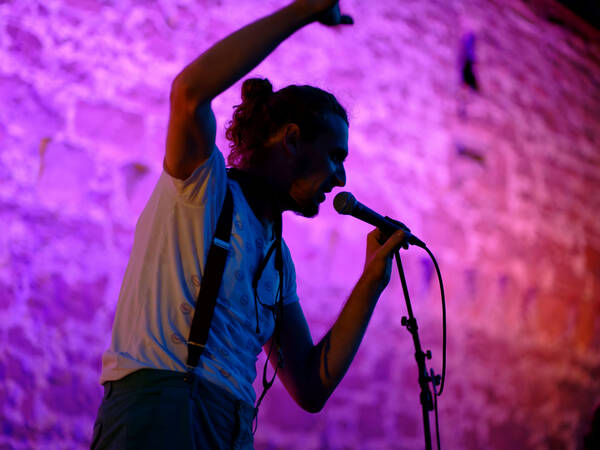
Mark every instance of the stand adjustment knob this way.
pixel 404 321
pixel 428 354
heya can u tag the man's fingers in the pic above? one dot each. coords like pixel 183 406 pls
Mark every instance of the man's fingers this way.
pixel 346 20
pixel 395 241
pixel 388 243
pixel 333 17
pixel 378 236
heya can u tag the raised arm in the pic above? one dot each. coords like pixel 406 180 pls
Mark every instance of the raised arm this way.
pixel 192 126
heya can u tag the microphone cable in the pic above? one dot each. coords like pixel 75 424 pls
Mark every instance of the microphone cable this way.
pixel 436 393
pixel 439 275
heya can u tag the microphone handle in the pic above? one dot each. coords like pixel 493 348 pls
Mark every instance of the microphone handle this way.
pixel 412 239
pixel 383 223
pixel 386 224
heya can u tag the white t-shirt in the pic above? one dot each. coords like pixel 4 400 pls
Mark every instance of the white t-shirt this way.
pixel 163 276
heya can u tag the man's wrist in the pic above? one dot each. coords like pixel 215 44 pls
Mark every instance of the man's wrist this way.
pixel 304 14
pixel 371 285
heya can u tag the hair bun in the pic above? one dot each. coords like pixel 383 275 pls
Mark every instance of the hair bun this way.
pixel 256 89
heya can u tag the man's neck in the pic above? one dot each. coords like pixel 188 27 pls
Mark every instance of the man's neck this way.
pixel 264 196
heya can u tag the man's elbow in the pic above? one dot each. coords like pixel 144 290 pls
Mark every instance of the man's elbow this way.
pixel 182 94
pixel 314 408
pixel 188 96
pixel 313 403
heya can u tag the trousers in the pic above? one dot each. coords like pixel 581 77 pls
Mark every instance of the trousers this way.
pixel 162 409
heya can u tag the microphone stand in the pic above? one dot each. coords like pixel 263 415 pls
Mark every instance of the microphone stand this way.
pixel 424 378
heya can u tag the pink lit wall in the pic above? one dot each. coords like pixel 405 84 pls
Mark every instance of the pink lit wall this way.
pixel 503 184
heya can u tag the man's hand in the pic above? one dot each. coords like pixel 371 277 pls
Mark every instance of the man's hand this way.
pixel 378 260
pixel 326 12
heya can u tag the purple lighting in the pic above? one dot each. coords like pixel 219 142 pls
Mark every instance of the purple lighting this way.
pixel 512 215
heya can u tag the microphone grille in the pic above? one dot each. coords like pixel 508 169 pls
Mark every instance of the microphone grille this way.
pixel 344 202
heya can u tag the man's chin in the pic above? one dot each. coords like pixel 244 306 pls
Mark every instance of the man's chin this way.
pixel 308 210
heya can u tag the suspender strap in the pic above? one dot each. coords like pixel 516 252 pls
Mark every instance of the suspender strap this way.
pixel 211 282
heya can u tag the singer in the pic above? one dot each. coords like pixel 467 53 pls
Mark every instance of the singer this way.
pixel 210 280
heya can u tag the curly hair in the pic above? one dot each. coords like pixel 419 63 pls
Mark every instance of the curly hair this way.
pixel 263 112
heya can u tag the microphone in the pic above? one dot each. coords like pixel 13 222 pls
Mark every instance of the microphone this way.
pixel 345 203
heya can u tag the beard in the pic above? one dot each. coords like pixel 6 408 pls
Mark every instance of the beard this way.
pixel 308 209
pixel 303 207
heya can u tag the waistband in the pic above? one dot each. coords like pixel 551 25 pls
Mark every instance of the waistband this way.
pixel 147 378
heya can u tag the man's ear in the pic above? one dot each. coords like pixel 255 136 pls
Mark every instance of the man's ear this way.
pixel 291 138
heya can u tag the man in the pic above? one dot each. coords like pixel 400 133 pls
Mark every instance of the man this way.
pixel 288 148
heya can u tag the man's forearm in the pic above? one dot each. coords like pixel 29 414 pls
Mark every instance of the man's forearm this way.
pixel 231 58
pixel 337 348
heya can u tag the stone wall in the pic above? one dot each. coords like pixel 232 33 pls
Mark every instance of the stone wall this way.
pixel 501 182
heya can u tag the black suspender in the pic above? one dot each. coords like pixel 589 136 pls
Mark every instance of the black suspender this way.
pixel 211 282
pixel 209 290
pixel 213 276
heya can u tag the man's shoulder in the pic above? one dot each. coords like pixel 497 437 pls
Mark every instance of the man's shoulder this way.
pixel 207 181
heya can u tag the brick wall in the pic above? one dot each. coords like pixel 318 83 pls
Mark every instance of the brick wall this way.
pixel 502 183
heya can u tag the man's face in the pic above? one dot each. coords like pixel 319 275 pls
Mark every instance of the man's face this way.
pixel 320 166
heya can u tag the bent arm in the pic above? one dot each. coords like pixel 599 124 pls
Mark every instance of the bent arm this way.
pixel 192 127
pixel 312 372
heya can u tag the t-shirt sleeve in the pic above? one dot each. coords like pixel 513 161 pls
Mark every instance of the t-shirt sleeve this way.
pixel 289 277
pixel 209 178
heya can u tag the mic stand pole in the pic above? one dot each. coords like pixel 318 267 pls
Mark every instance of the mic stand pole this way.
pixel 411 325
